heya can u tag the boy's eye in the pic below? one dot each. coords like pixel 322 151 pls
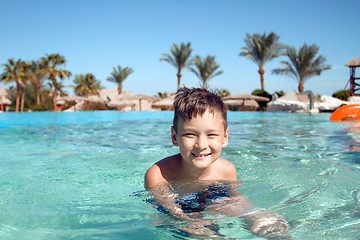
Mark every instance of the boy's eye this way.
pixel 189 134
pixel 213 135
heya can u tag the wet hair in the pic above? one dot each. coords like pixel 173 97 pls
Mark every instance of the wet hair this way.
pixel 190 103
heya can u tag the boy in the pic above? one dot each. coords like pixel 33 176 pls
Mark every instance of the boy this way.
pixel 200 130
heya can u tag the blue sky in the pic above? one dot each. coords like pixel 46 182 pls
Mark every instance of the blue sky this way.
pixel 95 36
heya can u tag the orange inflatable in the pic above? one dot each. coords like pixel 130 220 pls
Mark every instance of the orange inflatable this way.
pixel 347 112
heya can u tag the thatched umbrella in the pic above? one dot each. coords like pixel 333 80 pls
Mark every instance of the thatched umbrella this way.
pixel 249 104
pixel 141 97
pixel 122 102
pixel 165 103
pixel 245 97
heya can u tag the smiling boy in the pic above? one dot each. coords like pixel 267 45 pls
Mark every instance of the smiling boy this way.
pixel 200 131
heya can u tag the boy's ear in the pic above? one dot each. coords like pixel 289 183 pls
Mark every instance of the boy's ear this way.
pixel 173 136
pixel 226 138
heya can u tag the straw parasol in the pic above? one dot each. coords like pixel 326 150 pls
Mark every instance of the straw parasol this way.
pixel 165 103
pixel 122 102
pixel 244 97
pixel 141 97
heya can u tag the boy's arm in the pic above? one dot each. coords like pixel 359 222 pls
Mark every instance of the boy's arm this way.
pixel 267 224
pixel 259 221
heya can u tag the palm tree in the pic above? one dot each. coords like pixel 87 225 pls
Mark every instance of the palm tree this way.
pixel 262 49
pixel 303 64
pixel 86 85
pixel 52 70
pixel 119 75
pixel 179 58
pixel 11 74
pixel 205 69
pixel 222 92
pixel 37 76
pixel 24 76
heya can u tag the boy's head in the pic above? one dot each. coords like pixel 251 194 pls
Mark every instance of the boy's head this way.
pixel 190 103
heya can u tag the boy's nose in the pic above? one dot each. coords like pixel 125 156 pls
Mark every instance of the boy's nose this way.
pixel 201 142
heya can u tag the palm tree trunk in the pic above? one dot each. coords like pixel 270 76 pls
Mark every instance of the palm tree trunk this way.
pixel 38 91
pixel 204 84
pixel 262 72
pixel 17 104
pixel 301 86
pixel 54 96
pixel 22 99
pixel 179 79
pixel 120 88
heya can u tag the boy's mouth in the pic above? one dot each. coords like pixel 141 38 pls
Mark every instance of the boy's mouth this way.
pixel 200 156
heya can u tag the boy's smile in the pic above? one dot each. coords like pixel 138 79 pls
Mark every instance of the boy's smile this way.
pixel 200 140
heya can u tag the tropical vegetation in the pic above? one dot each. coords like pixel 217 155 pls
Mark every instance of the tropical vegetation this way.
pixel 118 75
pixel 342 94
pixel 205 68
pixel 52 70
pixel 262 93
pixel 303 64
pixel 262 49
pixel 37 77
pixel 12 73
pixel 222 92
pixel 179 57
pixel 37 84
pixel 86 85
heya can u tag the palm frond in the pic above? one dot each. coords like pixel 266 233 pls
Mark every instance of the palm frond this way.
pixel 262 48
pixel 205 68
pixel 303 63
pixel 119 74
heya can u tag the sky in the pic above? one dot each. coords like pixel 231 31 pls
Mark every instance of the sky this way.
pixel 96 36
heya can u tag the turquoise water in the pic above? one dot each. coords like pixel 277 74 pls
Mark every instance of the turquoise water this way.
pixel 80 175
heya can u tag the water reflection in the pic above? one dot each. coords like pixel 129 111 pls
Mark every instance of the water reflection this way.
pixel 349 135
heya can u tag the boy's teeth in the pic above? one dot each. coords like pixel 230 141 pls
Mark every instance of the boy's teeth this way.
pixel 202 155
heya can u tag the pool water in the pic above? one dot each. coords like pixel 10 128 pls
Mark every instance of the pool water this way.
pixel 80 175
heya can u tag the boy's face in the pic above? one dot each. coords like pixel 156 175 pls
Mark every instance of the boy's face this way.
pixel 200 139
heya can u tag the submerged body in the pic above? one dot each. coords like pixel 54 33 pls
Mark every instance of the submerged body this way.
pixel 201 205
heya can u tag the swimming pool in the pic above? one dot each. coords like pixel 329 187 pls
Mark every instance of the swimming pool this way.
pixel 80 175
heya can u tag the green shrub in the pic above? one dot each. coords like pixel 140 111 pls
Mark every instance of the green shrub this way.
pixel 262 93
pixel 342 94
pixel 38 108
pixel 280 93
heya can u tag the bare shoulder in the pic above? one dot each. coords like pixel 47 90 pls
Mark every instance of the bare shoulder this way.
pixel 161 172
pixel 153 177
pixel 227 170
